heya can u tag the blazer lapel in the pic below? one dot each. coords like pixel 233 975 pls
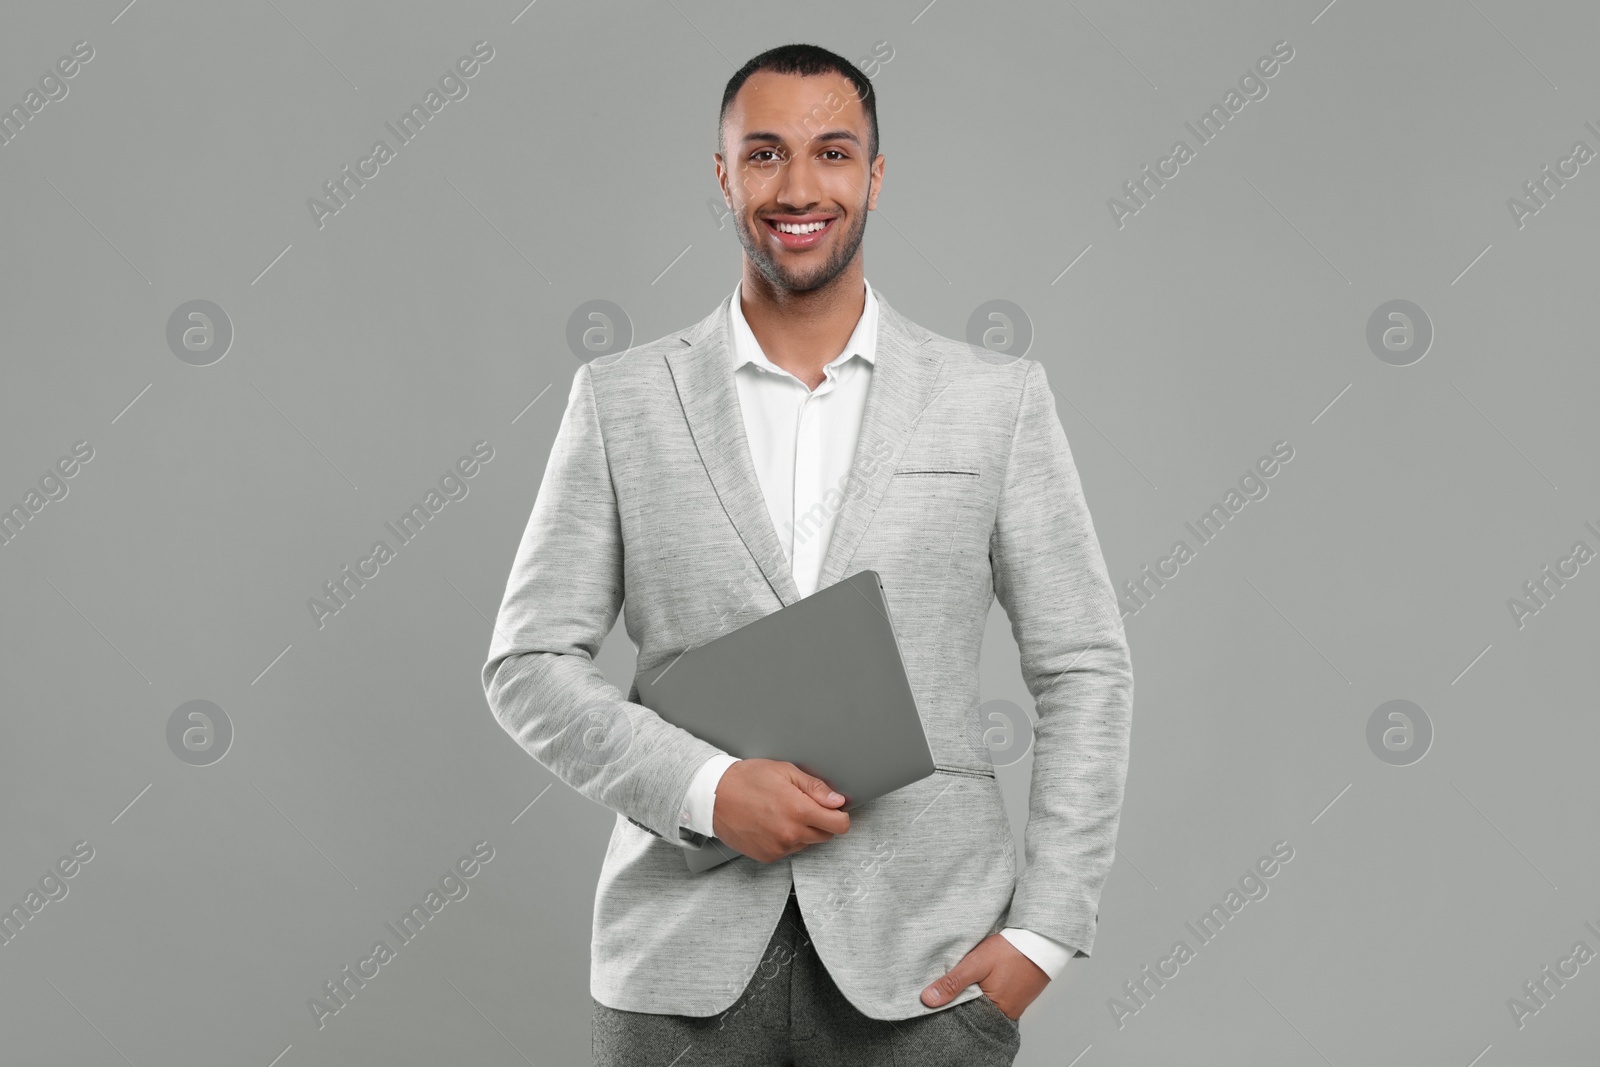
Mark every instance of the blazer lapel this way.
pixel 902 379
pixel 902 385
pixel 701 373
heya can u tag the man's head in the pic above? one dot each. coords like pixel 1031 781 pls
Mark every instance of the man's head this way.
pixel 797 145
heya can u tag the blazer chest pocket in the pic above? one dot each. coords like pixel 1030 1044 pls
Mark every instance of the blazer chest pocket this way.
pixel 968 772
pixel 914 531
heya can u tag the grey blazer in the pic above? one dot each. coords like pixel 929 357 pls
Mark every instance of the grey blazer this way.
pixel 963 490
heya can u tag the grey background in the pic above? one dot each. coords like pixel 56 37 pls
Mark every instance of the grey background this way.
pixel 368 355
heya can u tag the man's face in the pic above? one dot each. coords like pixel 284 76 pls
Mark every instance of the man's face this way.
pixel 796 158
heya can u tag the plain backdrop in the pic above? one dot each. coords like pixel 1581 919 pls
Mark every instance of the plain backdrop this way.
pixel 370 351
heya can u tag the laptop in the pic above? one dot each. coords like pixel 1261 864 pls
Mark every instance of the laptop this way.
pixel 819 683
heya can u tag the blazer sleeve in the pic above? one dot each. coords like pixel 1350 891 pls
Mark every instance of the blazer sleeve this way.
pixel 1051 579
pixel 561 600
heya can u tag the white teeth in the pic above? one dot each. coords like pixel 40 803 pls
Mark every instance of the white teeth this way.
pixel 793 227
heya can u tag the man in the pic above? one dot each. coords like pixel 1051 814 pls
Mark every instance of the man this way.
pixel 804 431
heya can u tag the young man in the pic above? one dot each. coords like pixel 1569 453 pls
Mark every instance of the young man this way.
pixel 804 431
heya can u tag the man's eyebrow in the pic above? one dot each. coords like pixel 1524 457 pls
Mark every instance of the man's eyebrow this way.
pixel 831 135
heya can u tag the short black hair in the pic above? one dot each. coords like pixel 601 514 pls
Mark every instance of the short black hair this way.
pixel 805 60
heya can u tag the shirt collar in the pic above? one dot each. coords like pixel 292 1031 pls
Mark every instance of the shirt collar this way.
pixel 863 340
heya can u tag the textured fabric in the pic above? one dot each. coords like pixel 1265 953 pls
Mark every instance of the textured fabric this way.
pixel 792 1014
pixel 963 490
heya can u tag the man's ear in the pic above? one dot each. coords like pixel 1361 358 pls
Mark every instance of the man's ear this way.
pixel 875 182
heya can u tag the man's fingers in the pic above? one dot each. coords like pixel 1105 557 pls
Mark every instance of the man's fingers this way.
pixel 822 807
pixel 827 819
pixel 822 824
pixel 810 835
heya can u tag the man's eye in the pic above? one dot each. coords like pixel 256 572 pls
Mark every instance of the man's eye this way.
pixel 755 156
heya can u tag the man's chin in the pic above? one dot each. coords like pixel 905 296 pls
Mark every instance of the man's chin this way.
pixel 798 281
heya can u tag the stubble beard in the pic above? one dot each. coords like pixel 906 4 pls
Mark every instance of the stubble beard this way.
pixel 760 252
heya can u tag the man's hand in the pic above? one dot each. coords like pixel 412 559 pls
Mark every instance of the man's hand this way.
pixel 1005 975
pixel 769 809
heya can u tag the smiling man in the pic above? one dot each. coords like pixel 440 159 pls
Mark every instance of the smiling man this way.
pixel 803 431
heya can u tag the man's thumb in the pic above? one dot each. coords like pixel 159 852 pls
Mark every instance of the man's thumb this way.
pixel 820 791
pixel 954 981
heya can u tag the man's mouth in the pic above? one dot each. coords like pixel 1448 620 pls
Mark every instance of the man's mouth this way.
pixel 796 233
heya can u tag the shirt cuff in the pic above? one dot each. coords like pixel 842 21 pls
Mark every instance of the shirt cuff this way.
pixel 1049 954
pixel 702 795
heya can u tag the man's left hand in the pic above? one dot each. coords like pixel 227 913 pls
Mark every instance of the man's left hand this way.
pixel 1005 975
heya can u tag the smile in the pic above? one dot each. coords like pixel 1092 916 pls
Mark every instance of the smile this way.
pixel 799 234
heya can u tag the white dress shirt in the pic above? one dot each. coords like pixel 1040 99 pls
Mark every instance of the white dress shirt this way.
pixel 802 443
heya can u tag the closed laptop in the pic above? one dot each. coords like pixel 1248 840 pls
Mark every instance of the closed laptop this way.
pixel 819 683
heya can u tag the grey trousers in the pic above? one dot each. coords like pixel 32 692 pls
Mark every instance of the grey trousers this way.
pixel 792 1015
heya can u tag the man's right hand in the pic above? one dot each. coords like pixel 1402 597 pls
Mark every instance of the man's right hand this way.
pixel 769 809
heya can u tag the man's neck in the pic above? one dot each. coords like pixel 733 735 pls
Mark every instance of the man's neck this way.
pixel 802 332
